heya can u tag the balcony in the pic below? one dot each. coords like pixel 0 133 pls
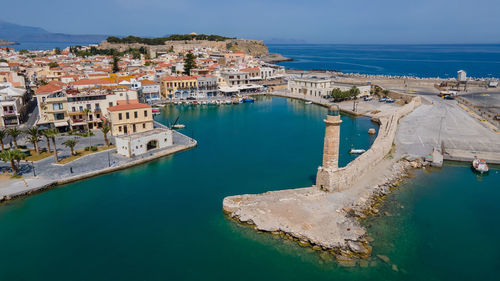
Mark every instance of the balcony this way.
pixel 9 112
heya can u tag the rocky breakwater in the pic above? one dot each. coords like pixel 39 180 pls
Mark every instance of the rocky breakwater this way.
pixel 328 220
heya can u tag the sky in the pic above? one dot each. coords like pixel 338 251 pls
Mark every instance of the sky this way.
pixel 315 21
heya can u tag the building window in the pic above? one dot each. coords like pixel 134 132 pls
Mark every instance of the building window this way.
pixel 119 116
pixel 59 116
pixel 133 128
pixel 57 106
pixel 145 113
pixel 119 128
pixel 135 114
pixel 127 115
pixel 144 125
pixel 110 104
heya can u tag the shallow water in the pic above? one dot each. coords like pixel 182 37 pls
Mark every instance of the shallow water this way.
pixel 164 221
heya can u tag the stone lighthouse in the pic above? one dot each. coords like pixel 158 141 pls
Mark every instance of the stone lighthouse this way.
pixel 332 138
pixel 326 179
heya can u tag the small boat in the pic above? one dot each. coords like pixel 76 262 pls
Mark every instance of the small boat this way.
pixel 480 166
pixel 228 102
pixel 389 100
pixel 179 126
pixel 155 110
pixel 308 102
pixel 248 99
pixel 382 99
pixel 356 151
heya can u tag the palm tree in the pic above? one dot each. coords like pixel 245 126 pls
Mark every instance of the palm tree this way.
pixel 52 133
pixel 105 130
pixel 3 134
pixel 46 134
pixel 11 156
pixel 71 144
pixel 87 112
pixel 34 137
pixel 14 133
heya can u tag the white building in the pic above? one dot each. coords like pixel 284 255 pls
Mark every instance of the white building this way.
pixel 141 143
pixel 461 76
pixel 11 102
pixel 317 87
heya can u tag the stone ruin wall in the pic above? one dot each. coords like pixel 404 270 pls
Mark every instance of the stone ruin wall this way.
pixel 343 178
pixel 251 47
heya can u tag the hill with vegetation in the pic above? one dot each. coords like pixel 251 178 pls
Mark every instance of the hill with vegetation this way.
pixel 161 40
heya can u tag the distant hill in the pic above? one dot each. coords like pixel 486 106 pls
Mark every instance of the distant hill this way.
pixel 20 33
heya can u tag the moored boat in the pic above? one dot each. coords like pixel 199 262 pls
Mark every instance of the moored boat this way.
pixel 248 99
pixel 308 102
pixel 480 166
pixel 357 151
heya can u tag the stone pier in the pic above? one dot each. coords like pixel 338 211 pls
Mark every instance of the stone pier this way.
pixel 320 215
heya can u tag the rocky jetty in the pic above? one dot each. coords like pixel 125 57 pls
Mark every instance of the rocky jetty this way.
pixel 325 221
pixel 274 58
pixel 6 43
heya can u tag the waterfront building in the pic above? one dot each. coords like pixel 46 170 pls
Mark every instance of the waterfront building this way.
pixel 319 87
pixel 179 86
pixel 235 78
pixel 207 86
pixel 143 142
pixel 129 117
pixel 150 91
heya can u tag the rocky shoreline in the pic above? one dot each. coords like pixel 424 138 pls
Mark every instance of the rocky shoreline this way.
pixel 274 58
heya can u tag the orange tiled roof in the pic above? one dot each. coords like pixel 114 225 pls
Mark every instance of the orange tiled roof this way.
pixel 128 106
pixel 47 89
pixel 177 78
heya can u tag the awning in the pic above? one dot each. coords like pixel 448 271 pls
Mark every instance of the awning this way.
pixel 61 124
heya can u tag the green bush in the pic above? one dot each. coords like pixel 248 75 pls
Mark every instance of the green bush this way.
pixel 87 148
pixel 93 148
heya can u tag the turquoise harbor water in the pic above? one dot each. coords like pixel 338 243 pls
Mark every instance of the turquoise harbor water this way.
pixel 164 221
pixel 415 60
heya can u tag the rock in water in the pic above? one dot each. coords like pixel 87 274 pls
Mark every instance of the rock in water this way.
pixel 360 248
pixel 345 261
pixel 384 258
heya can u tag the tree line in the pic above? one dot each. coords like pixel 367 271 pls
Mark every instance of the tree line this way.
pixel 161 40
pixel 339 95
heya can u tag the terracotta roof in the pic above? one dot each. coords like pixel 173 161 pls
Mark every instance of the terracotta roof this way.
pixel 92 82
pixel 128 106
pixel 148 82
pixel 176 78
pixel 47 89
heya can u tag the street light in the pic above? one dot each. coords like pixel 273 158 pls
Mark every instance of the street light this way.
pixel 33 167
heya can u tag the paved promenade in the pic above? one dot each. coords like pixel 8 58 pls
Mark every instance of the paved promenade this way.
pixel 45 173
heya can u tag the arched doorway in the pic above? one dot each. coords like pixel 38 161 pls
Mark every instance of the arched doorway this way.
pixel 152 144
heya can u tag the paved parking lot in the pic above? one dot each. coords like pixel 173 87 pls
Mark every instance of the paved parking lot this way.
pixel 443 121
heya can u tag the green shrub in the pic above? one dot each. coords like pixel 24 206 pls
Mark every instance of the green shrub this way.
pixel 87 148
pixel 93 148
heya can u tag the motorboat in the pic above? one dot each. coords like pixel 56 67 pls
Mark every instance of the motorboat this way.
pixel 480 166
pixel 357 151
pixel 308 102
pixel 248 99
pixel 383 99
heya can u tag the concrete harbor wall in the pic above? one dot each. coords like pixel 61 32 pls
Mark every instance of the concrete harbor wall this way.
pixel 342 178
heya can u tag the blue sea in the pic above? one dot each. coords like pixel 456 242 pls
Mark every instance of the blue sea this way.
pixel 479 60
pixel 412 60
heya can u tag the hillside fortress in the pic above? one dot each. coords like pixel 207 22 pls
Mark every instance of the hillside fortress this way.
pixel 250 47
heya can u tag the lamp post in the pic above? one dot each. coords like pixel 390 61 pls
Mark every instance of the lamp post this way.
pixel 33 167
